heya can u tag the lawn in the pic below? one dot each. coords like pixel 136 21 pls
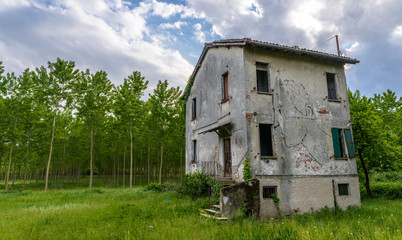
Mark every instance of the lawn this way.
pixel 116 213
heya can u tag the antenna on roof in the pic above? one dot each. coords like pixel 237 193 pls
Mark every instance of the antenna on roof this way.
pixel 337 45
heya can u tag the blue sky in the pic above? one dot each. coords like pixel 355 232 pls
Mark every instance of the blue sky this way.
pixel 163 39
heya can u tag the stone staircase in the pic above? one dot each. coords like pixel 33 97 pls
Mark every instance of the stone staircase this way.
pixel 214 213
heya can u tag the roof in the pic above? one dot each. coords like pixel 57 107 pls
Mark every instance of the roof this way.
pixel 269 46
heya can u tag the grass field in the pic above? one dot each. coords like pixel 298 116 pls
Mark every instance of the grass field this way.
pixel 116 213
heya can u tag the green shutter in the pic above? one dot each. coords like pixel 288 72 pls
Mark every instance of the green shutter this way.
pixel 337 146
pixel 349 142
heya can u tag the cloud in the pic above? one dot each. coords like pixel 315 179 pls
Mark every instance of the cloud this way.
pixel 199 35
pixel 99 35
pixel 175 25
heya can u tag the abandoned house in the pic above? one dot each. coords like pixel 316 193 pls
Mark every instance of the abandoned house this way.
pixel 284 109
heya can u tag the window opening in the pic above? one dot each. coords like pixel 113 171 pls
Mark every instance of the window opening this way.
pixel 331 85
pixel 194 150
pixel 225 87
pixel 343 189
pixel 268 191
pixel 194 109
pixel 266 140
pixel 340 138
pixel 262 77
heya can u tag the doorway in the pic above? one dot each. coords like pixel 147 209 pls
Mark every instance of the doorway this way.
pixel 227 156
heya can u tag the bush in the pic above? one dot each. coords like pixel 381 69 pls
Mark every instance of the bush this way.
pixel 247 172
pixel 164 187
pixel 199 185
pixel 388 190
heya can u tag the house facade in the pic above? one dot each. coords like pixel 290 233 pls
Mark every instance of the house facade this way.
pixel 282 108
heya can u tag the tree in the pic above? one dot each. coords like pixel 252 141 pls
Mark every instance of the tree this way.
pixel 129 106
pixel 92 93
pixel 163 103
pixel 53 89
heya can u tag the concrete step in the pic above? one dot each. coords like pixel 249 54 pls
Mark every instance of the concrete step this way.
pixel 214 217
pixel 214 212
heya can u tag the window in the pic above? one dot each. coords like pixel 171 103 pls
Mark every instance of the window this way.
pixel 194 150
pixel 343 189
pixel 340 138
pixel 194 109
pixel 266 140
pixel 331 85
pixel 267 192
pixel 225 87
pixel 262 77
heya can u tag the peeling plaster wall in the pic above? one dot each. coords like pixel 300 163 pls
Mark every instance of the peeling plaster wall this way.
pixel 211 113
pixel 300 112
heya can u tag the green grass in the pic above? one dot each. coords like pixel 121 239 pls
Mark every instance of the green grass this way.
pixel 116 213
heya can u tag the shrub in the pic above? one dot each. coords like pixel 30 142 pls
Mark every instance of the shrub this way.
pixel 247 172
pixel 199 184
pixel 164 187
pixel 388 190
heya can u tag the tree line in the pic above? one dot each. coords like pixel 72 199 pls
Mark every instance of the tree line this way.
pixel 377 132
pixel 59 123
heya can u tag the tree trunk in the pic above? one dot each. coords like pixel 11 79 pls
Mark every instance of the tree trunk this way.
pixel 131 153
pixel 160 167
pixel 181 161
pixel 25 166
pixel 149 159
pixel 124 164
pixel 14 171
pixel 366 174
pixel 11 155
pixel 91 165
pixel 50 153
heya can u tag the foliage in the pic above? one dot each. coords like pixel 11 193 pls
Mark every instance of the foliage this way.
pixel 247 172
pixel 164 187
pixel 198 185
pixel 135 214
pixel 385 185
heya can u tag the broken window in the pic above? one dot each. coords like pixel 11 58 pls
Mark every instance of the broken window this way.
pixel 331 85
pixel 262 77
pixel 343 189
pixel 266 140
pixel 268 191
pixel 225 87
pixel 194 150
pixel 340 138
pixel 194 109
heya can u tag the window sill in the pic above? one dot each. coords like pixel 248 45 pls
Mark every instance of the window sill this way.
pixel 265 93
pixel 268 157
pixel 334 100
pixel 193 119
pixel 342 158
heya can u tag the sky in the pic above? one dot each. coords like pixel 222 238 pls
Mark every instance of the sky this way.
pixel 164 39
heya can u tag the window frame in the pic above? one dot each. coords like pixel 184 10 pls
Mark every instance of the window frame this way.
pixel 335 85
pixel 342 141
pixel 269 189
pixel 263 85
pixel 225 86
pixel 270 143
pixel 194 150
pixel 193 108
pixel 343 189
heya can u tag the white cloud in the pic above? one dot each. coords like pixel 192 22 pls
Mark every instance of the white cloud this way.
pixel 175 25
pixel 396 35
pixel 353 47
pixel 199 35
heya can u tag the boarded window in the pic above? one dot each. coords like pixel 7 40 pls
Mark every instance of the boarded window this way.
pixel 268 191
pixel 343 189
pixel 194 150
pixel 225 87
pixel 266 140
pixel 340 138
pixel 194 109
pixel 262 77
pixel 331 85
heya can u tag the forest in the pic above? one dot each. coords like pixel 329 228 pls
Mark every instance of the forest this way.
pixel 59 124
